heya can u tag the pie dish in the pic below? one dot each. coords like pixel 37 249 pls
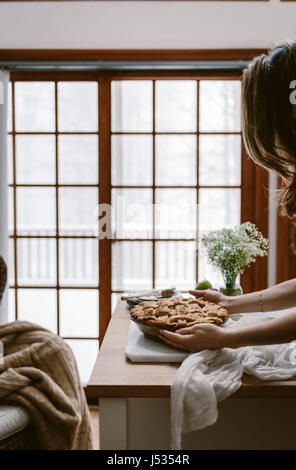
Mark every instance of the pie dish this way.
pixel 176 313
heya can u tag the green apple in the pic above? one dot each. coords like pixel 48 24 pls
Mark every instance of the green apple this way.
pixel 203 285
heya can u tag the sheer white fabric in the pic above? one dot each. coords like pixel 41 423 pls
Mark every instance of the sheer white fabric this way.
pixel 210 376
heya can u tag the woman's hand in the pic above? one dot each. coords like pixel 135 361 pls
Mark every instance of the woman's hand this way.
pixel 213 295
pixel 196 338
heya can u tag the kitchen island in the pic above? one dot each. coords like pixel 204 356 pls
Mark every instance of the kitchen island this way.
pixel 134 404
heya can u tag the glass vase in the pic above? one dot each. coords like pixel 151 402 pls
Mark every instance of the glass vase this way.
pixel 231 288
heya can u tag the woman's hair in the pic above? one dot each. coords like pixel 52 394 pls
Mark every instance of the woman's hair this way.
pixel 269 117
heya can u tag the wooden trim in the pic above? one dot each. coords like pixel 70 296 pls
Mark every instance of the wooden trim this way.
pixel 55 76
pixel 14 202
pixel 285 265
pixel 197 176
pixel 44 55
pixel 54 286
pixel 153 183
pixel 247 207
pixel 254 208
pixel 249 389
pixel 47 75
pixel 283 251
pixel 57 206
pixel 105 265
pixel 260 267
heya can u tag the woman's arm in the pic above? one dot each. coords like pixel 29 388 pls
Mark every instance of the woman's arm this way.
pixel 206 336
pixel 276 331
pixel 275 298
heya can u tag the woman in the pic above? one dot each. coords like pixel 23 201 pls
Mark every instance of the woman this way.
pixel 269 130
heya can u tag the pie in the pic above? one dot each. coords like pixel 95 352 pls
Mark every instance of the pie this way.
pixel 172 314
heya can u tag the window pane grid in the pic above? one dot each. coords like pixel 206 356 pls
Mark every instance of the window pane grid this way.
pixel 149 128
pixel 154 180
pixel 52 133
pixel 24 185
pixel 154 133
pixel 178 133
pixel 20 288
pixel 53 286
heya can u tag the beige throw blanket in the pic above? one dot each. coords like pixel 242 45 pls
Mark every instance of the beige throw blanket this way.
pixel 39 372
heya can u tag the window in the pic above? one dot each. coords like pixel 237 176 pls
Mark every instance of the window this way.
pixel 77 139
pixel 54 182
pixel 173 143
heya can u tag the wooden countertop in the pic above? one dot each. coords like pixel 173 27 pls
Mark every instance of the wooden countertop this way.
pixel 116 376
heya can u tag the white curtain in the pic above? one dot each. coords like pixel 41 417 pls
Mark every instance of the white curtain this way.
pixel 4 80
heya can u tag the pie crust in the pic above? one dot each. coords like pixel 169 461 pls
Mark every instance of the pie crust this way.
pixel 172 314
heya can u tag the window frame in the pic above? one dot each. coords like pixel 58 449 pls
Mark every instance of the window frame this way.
pixel 254 180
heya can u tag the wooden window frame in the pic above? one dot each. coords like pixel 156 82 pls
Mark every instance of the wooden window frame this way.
pixel 254 182
pixel 70 55
pixel 285 252
pixel 53 77
pixel 286 243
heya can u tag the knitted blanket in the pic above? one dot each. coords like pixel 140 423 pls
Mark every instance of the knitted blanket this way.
pixel 39 372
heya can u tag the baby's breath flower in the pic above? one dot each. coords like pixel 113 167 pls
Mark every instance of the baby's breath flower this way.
pixel 232 249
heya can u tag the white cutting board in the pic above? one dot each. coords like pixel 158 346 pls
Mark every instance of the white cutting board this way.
pixel 140 348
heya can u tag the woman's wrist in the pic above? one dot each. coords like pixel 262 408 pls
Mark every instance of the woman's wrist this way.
pixel 225 338
pixel 233 304
pixel 232 338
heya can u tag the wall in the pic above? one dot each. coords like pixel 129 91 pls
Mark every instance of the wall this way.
pixel 145 24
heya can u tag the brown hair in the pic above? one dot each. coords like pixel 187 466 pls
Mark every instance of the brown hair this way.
pixel 269 118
